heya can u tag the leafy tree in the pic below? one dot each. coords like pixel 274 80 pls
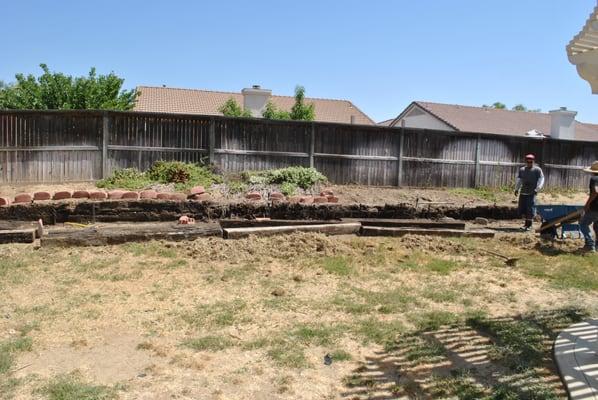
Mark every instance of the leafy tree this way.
pixel 232 109
pixel 57 91
pixel 271 112
pixel 519 107
pixel 299 112
pixel 499 106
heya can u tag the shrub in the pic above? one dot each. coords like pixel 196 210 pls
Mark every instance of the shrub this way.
pixel 298 176
pixel 128 178
pixel 288 188
pixel 182 174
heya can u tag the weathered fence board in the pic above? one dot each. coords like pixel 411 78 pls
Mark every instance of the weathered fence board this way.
pixel 62 146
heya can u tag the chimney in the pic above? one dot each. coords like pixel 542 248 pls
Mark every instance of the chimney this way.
pixel 562 124
pixel 255 99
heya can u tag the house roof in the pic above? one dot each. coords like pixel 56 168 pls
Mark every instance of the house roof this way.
pixel 501 122
pixel 582 51
pixel 205 102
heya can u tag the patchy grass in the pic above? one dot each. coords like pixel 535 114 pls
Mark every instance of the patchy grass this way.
pixel 337 265
pixel 379 332
pixel 360 301
pixel 433 320
pixel 219 314
pixel 339 355
pixel 209 343
pixel 9 348
pixel 421 262
pixel 488 194
pixel 72 387
pixel 565 270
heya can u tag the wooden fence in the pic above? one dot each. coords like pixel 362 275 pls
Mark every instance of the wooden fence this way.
pixel 63 146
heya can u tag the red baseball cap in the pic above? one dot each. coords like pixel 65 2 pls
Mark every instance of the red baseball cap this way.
pixel 530 157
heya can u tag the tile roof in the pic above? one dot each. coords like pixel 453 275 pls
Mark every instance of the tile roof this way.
pixel 502 122
pixel 193 101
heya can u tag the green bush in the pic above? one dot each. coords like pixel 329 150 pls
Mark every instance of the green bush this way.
pixel 301 177
pixel 288 188
pixel 128 178
pixel 183 175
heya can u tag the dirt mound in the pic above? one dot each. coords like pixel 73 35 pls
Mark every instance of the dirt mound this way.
pixel 430 244
pixel 279 247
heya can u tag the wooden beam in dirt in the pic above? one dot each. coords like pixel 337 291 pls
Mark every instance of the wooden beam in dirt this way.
pixel 17 236
pixel 99 236
pixel 389 231
pixel 250 223
pixel 403 223
pixel 330 229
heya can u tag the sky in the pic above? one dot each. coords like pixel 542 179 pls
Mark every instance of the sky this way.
pixel 381 55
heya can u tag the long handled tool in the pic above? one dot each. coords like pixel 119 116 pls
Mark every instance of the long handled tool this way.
pixel 510 261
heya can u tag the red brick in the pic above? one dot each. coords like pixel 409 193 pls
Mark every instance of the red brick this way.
pixel 320 199
pixel 81 194
pixel 332 199
pixel 253 196
pixel 200 197
pixel 4 201
pixel 276 195
pixel 116 194
pixel 130 196
pixel 37 196
pixel 306 200
pixel 163 196
pixel 62 195
pixel 97 195
pixel 148 194
pixel 177 196
pixel 23 198
pixel 198 190
pixel 326 193
pixel 295 199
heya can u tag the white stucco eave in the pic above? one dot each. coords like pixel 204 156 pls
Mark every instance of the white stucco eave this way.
pixel 582 51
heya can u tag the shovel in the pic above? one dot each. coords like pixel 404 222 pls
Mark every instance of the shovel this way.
pixel 510 261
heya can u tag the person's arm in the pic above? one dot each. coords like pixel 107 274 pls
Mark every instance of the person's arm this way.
pixel 518 183
pixel 540 184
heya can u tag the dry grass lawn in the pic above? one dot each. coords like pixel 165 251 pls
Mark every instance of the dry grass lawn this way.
pixel 296 317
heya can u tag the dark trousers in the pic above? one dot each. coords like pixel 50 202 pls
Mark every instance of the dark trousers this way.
pixel 527 207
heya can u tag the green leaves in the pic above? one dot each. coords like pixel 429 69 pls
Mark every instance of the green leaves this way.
pixel 57 91
pixel 232 109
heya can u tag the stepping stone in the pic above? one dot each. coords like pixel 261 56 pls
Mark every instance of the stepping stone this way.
pixel 97 195
pixel 4 201
pixel 81 194
pixel 130 196
pixel 276 195
pixel 576 355
pixel 39 196
pixel 197 190
pixel 200 197
pixel 148 194
pixel 177 196
pixel 320 199
pixel 23 198
pixel 306 200
pixel 253 196
pixel 62 195
pixel 332 199
pixel 163 196
pixel 116 194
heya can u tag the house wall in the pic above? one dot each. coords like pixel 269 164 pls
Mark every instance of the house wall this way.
pixel 417 118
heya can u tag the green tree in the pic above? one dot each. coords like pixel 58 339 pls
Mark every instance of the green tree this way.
pixel 232 109
pixel 271 112
pixel 57 91
pixel 499 106
pixel 301 111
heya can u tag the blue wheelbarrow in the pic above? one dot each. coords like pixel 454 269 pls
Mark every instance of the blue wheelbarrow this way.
pixel 559 220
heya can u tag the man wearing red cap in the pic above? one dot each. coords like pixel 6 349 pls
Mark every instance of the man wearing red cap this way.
pixel 530 180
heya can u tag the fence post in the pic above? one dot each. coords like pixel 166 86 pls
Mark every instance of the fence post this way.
pixel 476 170
pixel 105 138
pixel 211 141
pixel 400 156
pixel 312 144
